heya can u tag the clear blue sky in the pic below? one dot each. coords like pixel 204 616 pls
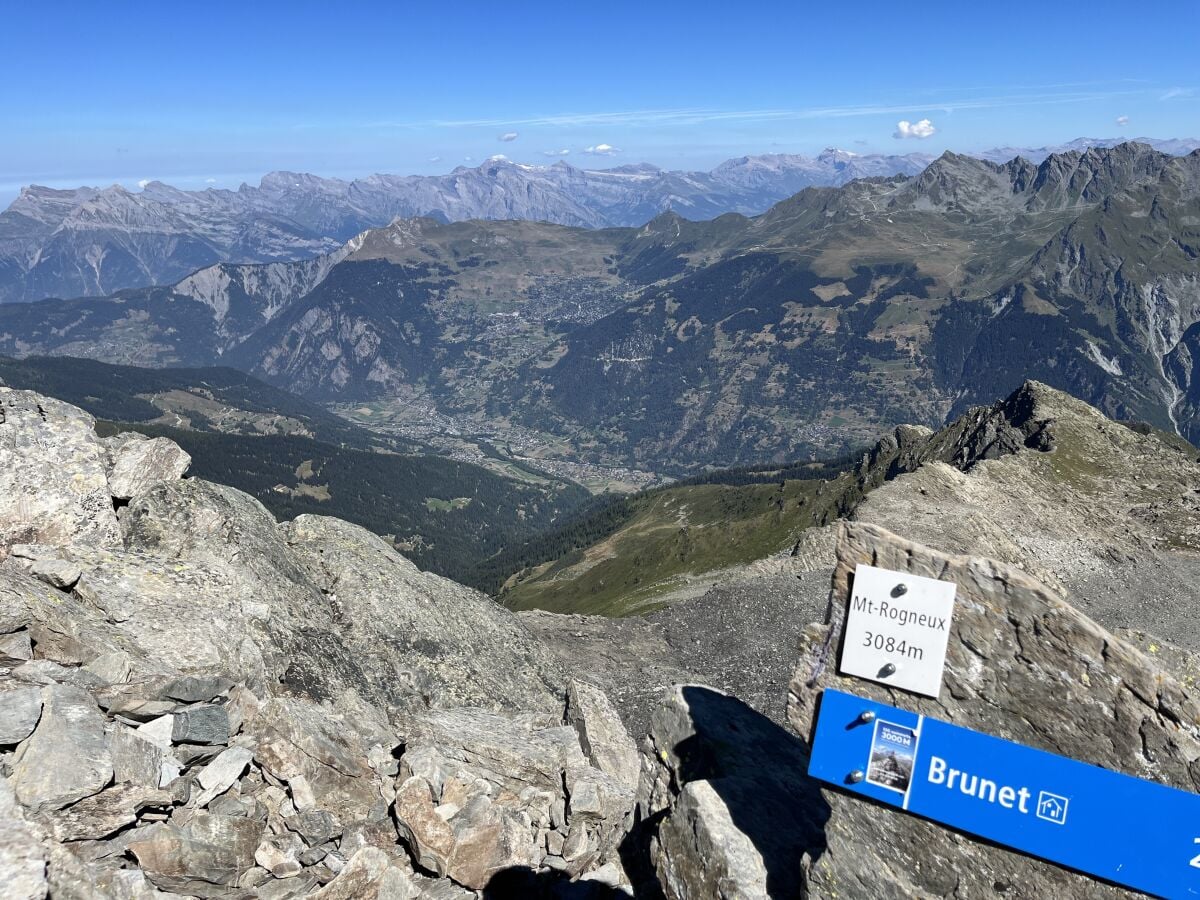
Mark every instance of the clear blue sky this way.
pixel 220 92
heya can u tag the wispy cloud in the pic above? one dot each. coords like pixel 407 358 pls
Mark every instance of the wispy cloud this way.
pixel 562 152
pixel 435 159
pixel 143 182
pixel 508 137
pixel 1176 92
pixel 702 115
pixel 602 150
pixel 1122 121
pixel 210 181
pixel 919 130
pixel 497 157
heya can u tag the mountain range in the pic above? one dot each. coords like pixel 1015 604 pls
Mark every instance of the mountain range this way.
pixel 93 241
pixel 810 329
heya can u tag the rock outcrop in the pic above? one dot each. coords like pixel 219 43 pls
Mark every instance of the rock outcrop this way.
pixel 1022 664
pixel 196 700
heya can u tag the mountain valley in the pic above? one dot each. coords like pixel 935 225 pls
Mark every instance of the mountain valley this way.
pixel 806 331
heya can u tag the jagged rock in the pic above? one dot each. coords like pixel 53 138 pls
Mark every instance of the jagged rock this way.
pixel 203 857
pixel 280 854
pixel 725 808
pixel 141 759
pixel 369 875
pixel 429 837
pixel 58 573
pixel 511 751
pixel 73 878
pixel 196 688
pixel 64 645
pixel 704 853
pixel 219 775
pixel 66 758
pixel 15 648
pixel 1022 664
pixel 112 668
pixel 53 485
pixel 602 737
pixel 100 815
pixel 158 729
pixel 22 856
pixel 140 462
pixel 201 725
pixel 484 792
pixel 280 742
pixel 20 709
pixel 45 671
pixel 470 844
pixel 296 740
pixel 315 826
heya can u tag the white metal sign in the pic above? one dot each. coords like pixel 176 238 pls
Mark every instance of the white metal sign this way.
pixel 897 628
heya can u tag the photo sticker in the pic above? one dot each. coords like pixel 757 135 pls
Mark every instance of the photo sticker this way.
pixel 893 749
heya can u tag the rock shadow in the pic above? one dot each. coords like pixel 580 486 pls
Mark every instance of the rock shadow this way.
pixel 519 883
pixel 760 772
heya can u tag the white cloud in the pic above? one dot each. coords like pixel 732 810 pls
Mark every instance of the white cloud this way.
pixel 497 157
pixel 142 184
pixel 562 152
pixel 435 159
pixel 919 130
pixel 602 150
pixel 1122 121
pixel 210 181
pixel 1176 92
pixel 507 137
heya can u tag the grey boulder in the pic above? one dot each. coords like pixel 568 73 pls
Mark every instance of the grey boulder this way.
pixel 67 757
pixel 137 463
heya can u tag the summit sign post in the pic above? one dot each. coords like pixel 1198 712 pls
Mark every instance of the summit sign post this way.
pixel 897 629
pixel 1133 832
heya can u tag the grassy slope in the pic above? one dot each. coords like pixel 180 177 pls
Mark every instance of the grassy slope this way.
pixel 673 533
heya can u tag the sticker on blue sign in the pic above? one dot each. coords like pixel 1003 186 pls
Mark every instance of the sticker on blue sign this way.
pixel 1062 810
pixel 892 749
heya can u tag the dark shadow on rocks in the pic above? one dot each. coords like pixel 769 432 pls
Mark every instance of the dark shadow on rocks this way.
pixel 759 770
pixel 519 883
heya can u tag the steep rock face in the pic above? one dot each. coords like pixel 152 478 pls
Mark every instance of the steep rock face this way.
pixel 221 706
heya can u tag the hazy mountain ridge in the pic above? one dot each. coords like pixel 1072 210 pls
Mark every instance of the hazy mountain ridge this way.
pixel 94 241
pixel 89 241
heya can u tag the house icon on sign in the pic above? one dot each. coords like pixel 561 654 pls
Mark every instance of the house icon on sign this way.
pixel 1052 808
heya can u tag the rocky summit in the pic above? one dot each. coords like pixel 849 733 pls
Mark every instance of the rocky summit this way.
pixel 199 701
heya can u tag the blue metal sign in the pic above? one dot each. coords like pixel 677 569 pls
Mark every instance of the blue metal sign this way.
pixel 1129 831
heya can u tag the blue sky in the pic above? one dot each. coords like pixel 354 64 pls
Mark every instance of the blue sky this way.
pixel 217 93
